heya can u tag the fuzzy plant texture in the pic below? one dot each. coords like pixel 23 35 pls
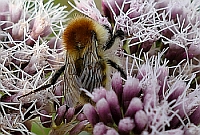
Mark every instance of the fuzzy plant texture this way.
pixel 160 53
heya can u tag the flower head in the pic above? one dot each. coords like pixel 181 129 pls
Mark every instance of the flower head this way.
pixel 160 56
pixel 153 103
pixel 24 62
pixel 89 8
pixel 172 24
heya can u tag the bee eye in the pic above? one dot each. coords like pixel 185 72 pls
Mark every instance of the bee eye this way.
pixel 79 46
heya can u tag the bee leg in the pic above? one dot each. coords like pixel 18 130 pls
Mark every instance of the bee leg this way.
pixel 57 75
pixel 117 67
pixel 53 81
pixel 109 44
pixel 108 28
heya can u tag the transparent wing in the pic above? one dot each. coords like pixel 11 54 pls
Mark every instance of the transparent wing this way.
pixel 91 75
pixel 72 84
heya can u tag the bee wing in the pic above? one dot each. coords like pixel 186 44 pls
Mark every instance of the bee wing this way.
pixel 91 75
pixel 71 83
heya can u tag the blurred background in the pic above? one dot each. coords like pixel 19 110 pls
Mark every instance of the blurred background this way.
pixel 65 2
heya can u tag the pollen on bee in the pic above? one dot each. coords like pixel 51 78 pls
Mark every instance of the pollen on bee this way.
pixel 78 33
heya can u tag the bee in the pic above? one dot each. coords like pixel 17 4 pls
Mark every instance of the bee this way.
pixel 89 58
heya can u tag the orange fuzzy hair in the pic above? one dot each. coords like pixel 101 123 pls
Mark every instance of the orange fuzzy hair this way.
pixel 78 35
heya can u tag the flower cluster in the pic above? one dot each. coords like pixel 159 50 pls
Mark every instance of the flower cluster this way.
pixel 160 54
pixel 30 50
pixel 149 103
pixel 174 24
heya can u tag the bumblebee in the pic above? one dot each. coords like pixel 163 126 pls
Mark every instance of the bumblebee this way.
pixel 89 58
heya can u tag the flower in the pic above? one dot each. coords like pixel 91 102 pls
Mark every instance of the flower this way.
pixel 125 126
pixel 159 54
pixel 147 106
pixel 89 8
pixel 157 24
pixel 25 55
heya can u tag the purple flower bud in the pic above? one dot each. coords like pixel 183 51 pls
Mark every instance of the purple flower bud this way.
pixel 78 128
pixel 182 109
pixel 17 56
pixel 186 55
pixel 151 93
pixel 103 110
pixel 115 109
pixel 134 106
pixel 99 129
pixel 152 88
pixel 18 31
pixel 117 85
pixel 115 5
pixel 146 46
pixel 177 89
pixel 133 49
pixel 41 27
pixel 81 117
pixel 135 7
pixel 167 33
pixel 176 9
pixel 69 115
pixel 30 68
pixel 142 72
pixel 30 42
pixel 111 132
pixel 60 115
pixel 106 9
pixel 125 126
pixel 91 114
pixel 148 101
pixel 161 4
pixel 15 12
pixel 141 120
pixel 58 92
pixel 131 89
pixel 126 5
pixel 194 49
pixel 33 60
pixel 162 73
pixel 46 121
pixel 6 98
pixel 98 94
pixel 39 103
pixel 175 53
pixel 195 116
pixel 55 43
pixel 5 6
pixel 3 10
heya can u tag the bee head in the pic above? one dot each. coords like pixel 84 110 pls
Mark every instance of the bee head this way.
pixel 79 34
